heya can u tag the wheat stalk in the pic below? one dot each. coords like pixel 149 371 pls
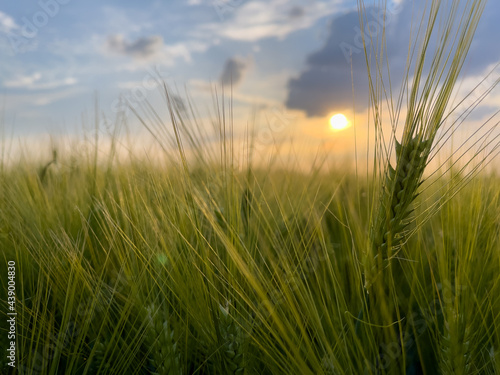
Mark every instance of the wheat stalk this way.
pixel 428 100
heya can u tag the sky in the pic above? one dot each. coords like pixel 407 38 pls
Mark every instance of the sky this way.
pixel 295 61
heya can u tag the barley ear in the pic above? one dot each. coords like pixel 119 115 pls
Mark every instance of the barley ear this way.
pixel 160 335
pixel 232 345
pixel 455 356
pixel 398 193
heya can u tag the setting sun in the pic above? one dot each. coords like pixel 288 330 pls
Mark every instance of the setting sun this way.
pixel 339 122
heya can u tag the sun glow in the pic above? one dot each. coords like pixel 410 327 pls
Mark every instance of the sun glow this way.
pixel 339 122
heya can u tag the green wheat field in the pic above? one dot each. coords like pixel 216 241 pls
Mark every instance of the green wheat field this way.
pixel 207 263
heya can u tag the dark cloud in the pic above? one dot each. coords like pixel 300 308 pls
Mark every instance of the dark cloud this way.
pixel 296 12
pixel 325 84
pixel 141 48
pixel 234 70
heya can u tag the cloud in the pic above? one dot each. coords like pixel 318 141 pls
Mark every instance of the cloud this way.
pixel 46 99
pixel 23 81
pixel 35 82
pixel 20 102
pixel 234 70
pixel 7 23
pixel 325 85
pixel 142 48
pixel 296 12
pixel 255 20
pixel 147 49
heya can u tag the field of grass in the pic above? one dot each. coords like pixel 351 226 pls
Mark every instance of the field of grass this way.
pixel 136 269
pixel 203 263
